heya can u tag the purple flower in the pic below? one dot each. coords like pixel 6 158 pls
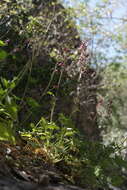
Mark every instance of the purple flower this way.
pixel 7 41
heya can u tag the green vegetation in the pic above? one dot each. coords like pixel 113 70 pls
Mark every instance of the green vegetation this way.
pixel 45 71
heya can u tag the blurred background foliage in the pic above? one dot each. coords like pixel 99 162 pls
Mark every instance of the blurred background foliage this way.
pixel 104 24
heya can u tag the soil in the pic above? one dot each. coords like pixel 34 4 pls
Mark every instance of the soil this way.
pixel 28 168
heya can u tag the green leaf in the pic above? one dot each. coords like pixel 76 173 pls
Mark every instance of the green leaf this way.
pixel 2 43
pixel 32 102
pixel 12 110
pixel 26 134
pixel 32 125
pixel 3 54
pixel 116 180
pixel 2 92
pixel 8 100
pixel 6 132
pixel 50 93
pixel 12 85
pixel 97 171
pixel 4 82
pixel 69 133
pixel 52 126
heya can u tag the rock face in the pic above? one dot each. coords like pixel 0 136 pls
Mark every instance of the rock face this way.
pixel 11 184
pixel 86 118
pixel 9 181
